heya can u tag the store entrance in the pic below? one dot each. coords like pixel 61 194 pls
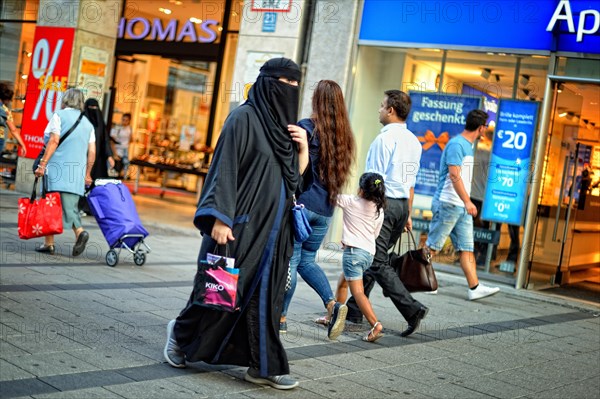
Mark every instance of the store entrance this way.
pixel 566 247
pixel 168 101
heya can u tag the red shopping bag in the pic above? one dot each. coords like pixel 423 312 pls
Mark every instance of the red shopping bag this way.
pixel 42 216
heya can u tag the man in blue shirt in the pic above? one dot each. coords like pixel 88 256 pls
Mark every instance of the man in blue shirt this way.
pixel 452 208
pixel 396 155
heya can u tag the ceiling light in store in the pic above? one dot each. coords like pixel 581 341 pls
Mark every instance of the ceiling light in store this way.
pixel 176 2
pixel 560 87
pixel 196 20
pixel 486 73
pixel 28 54
pixel 220 28
pixel 562 114
pixel 524 81
pixel 24 76
pixel 165 10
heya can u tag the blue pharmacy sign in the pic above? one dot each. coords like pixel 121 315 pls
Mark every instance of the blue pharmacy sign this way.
pixel 269 21
pixel 510 162
pixel 436 118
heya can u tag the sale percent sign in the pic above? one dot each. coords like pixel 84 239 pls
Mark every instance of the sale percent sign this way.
pixel 510 163
pixel 49 73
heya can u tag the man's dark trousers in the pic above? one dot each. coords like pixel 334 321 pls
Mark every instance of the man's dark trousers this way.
pixel 394 221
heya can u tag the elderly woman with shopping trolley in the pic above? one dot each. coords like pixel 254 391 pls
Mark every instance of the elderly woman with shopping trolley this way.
pixel 66 163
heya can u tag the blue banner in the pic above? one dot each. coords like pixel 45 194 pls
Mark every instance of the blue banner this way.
pixel 435 119
pixel 542 25
pixel 505 195
pixel 490 103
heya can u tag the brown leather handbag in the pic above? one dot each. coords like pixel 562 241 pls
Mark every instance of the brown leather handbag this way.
pixel 415 269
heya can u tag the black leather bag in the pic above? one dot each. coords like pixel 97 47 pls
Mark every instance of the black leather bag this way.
pixel 414 268
pixel 36 163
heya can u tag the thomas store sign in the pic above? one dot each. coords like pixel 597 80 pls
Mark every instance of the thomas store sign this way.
pixel 156 29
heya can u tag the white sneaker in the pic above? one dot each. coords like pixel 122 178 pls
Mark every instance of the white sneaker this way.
pixel 173 354
pixel 481 292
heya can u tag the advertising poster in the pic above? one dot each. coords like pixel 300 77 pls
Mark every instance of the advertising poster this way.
pixel 50 63
pixel 490 103
pixel 272 5
pixel 435 119
pixel 187 137
pixel 510 162
pixel 92 72
pixel 254 60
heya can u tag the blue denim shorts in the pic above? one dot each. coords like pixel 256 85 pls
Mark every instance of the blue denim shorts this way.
pixel 450 220
pixel 354 263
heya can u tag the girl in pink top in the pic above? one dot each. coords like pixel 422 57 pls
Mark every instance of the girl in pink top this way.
pixel 363 217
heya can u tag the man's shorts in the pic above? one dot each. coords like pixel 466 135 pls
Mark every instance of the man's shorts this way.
pixel 354 263
pixel 450 220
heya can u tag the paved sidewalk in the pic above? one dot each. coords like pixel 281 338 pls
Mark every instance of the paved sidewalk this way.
pixel 76 328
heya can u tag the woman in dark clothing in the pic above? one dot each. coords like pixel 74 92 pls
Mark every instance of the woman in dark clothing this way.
pixel 246 204
pixel 332 152
pixel 104 154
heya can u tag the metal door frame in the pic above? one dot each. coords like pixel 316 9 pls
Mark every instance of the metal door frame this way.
pixel 525 260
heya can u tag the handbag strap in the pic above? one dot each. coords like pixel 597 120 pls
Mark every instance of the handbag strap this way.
pixel 44 188
pixel 412 238
pixel 226 250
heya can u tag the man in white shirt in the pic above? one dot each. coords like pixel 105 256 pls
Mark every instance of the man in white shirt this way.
pixel 122 137
pixel 396 155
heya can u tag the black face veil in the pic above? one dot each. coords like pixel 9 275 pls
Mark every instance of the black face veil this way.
pixel 276 102
pixel 94 114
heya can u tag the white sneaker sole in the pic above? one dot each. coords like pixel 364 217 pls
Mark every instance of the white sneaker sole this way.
pixel 165 351
pixel 266 381
pixel 485 296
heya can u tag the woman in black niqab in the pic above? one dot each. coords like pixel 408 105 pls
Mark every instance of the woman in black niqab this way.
pixel 276 103
pixel 103 148
pixel 247 197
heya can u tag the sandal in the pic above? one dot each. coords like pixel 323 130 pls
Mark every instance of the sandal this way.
pixel 371 336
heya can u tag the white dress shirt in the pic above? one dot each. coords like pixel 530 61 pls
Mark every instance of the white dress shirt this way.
pixel 396 155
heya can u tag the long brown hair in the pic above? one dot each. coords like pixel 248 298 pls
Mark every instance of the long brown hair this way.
pixel 337 148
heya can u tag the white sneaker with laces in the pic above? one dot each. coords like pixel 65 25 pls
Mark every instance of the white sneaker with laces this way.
pixel 173 355
pixel 481 292
pixel 276 381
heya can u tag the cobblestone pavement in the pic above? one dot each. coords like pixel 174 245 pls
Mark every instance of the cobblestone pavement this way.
pixel 76 328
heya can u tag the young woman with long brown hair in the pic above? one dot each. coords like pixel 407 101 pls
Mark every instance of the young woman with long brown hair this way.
pixel 332 152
